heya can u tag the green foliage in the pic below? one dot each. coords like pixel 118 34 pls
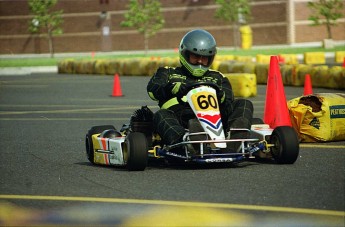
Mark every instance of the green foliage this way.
pixel 45 20
pixel 234 11
pixel 326 12
pixel 145 16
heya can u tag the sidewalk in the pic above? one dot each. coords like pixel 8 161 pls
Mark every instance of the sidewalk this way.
pixel 25 71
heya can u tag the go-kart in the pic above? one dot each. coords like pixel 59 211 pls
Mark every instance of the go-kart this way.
pixel 204 141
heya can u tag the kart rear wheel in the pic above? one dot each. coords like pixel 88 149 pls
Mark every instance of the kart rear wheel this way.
pixel 88 140
pixel 135 151
pixel 286 145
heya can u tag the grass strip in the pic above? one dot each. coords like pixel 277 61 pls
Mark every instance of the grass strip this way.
pixel 46 61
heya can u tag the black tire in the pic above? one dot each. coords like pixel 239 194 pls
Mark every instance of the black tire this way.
pixel 135 151
pixel 88 140
pixel 286 145
pixel 110 133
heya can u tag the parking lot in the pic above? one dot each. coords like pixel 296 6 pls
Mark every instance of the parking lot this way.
pixel 43 122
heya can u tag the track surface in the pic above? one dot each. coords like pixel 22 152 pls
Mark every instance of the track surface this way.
pixel 44 171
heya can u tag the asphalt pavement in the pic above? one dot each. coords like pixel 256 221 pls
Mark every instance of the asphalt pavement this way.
pixel 47 179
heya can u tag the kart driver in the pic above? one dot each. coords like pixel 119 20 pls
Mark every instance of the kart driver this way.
pixel 196 52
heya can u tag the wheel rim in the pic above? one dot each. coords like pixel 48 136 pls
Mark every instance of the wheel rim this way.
pixel 277 146
pixel 125 151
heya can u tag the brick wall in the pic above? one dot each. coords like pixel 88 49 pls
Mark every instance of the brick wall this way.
pixel 83 28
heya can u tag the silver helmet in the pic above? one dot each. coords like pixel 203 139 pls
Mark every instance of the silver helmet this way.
pixel 201 43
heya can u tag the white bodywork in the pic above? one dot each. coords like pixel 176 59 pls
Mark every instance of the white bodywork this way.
pixel 203 101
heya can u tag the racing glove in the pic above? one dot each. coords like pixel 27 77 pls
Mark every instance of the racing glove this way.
pixel 178 89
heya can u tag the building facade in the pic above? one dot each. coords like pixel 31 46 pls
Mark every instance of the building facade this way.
pixel 94 25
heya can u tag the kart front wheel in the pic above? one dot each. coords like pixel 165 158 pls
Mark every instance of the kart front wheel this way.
pixel 135 151
pixel 88 140
pixel 285 143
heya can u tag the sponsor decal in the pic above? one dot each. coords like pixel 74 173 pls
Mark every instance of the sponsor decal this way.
pixel 220 160
pixel 106 159
pixel 216 132
pixel 212 120
pixel 337 111
pixel 315 123
pixel 103 143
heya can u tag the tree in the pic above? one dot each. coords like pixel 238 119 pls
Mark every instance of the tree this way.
pixel 236 12
pixel 146 17
pixel 45 20
pixel 326 12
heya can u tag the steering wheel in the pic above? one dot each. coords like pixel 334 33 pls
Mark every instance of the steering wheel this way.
pixel 195 85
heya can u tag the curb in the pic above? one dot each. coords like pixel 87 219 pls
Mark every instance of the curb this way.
pixel 25 71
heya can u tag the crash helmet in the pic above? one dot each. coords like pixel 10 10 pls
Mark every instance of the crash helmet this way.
pixel 199 43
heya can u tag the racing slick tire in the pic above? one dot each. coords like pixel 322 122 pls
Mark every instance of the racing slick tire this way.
pixel 286 145
pixel 136 151
pixel 88 139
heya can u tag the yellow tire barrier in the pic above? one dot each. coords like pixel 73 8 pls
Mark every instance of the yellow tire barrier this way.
pixel 238 67
pixel 132 67
pixel 61 66
pixel 292 74
pixel 299 74
pixel 223 66
pixel 243 84
pixel 261 71
pixel 290 59
pixel 78 67
pixel 66 66
pixel 320 76
pixel 287 73
pixel 148 66
pixel 243 58
pixel 215 65
pixel 114 66
pixel 314 58
pixel 224 57
pixel 265 59
pixel 100 67
pixel 337 75
pixel 340 57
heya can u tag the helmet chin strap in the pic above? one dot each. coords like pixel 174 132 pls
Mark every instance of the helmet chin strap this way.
pixel 196 71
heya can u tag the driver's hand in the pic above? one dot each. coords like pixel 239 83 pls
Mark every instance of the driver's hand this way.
pixel 178 89
pixel 220 96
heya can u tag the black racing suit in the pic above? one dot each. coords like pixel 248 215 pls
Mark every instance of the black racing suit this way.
pixel 172 119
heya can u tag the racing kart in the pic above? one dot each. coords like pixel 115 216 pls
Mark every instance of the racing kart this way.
pixel 204 141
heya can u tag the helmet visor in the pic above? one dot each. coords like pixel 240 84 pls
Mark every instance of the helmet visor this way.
pixel 196 59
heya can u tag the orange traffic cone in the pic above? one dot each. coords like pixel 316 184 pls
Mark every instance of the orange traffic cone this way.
pixel 276 110
pixel 308 90
pixel 281 59
pixel 117 91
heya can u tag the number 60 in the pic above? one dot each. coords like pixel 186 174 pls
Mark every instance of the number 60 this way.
pixel 205 102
